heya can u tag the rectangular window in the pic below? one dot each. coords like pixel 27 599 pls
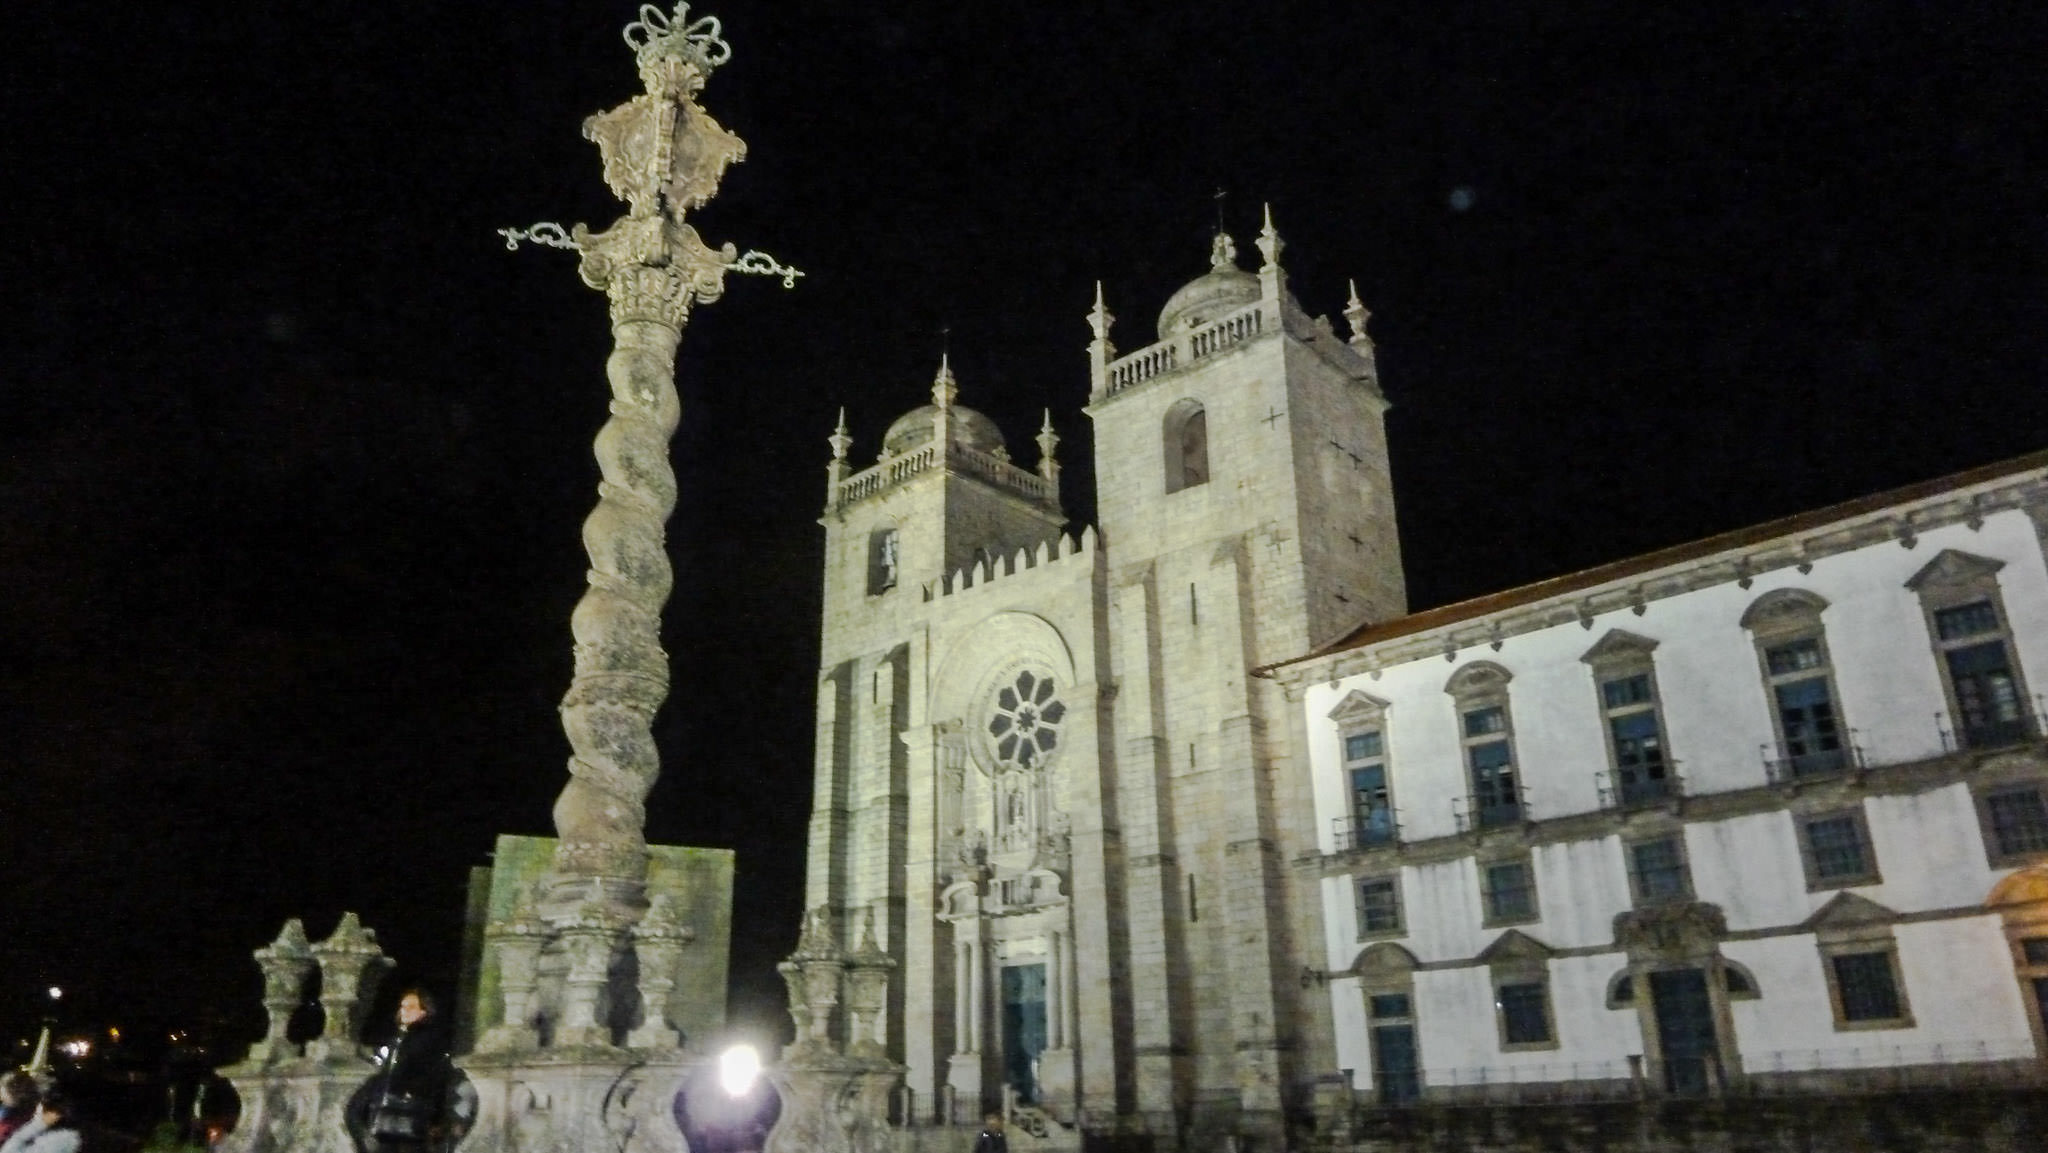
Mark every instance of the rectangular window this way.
pixel 1806 717
pixel 1988 705
pixel 1482 722
pixel 1495 800
pixel 2035 950
pixel 1837 851
pixel 1510 892
pixel 1524 1016
pixel 2018 820
pixel 1372 808
pixel 1864 982
pixel 1622 692
pixel 1658 868
pixel 1794 656
pixel 1970 620
pixel 1379 906
pixel 1386 1005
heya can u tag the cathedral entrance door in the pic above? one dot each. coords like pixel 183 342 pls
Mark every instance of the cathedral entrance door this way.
pixel 1685 1028
pixel 1023 1028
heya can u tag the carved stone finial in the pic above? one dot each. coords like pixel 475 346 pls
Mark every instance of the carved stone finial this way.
pixel 840 440
pixel 1356 314
pixel 1269 243
pixel 945 389
pixel 1223 253
pixel 1047 441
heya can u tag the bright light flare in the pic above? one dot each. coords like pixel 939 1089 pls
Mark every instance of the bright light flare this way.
pixel 76 1049
pixel 56 993
pixel 738 1068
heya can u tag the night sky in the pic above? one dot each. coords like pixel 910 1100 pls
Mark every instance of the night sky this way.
pixel 293 453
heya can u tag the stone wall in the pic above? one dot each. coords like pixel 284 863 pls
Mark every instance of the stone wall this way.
pixel 1991 1121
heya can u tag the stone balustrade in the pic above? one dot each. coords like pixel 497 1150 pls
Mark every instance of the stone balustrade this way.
pixel 1187 348
pixel 895 470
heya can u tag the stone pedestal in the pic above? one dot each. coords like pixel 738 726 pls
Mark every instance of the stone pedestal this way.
pixel 286 963
pixel 835 1104
pixel 350 961
pixel 551 1100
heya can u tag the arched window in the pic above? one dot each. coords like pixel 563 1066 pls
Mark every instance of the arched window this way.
pixel 883 561
pixel 1187 446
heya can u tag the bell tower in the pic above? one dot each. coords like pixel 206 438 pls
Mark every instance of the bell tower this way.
pixel 1247 512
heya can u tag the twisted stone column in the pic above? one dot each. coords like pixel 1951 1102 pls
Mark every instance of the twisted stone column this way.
pixel 621 676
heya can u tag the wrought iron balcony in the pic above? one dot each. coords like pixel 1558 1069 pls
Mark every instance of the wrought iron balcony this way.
pixel 1497 810
pixel 1980 732
pixel 1381 827
pixel 1640 787
pixel 1785 767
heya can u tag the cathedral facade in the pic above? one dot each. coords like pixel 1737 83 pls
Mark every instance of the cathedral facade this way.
pixel 1051 799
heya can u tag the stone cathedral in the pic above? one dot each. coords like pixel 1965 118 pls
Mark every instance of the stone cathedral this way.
pixel 1050 803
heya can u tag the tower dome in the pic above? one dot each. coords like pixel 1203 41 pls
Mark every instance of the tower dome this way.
pixel 968 427
pixel 1223 289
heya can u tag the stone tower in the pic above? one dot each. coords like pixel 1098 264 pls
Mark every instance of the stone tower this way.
pixel 1049 791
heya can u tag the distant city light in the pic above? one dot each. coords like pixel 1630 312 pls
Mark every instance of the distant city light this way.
pixel 56 993
pixel 738 1068
pixel 76 1048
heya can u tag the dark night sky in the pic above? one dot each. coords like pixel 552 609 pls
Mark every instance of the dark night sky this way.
pixel 293 452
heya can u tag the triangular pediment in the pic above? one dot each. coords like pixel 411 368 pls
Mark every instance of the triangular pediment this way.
pixel 1849 911
pixel 1356 707
pixel 1515 945
pixel 1955 567
pixel 1620 645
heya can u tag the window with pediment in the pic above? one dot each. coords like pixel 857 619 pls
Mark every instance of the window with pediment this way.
pixel 1988 703
pixel 1799 682
pixel 1486 734
pixel 1640 769
pixel 1361 721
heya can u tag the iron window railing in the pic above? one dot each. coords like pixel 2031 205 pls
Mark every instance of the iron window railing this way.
pixel 1784 766
pixel 1382 827
pixel 1497 809
pixel 1624 789
pixel 1991 732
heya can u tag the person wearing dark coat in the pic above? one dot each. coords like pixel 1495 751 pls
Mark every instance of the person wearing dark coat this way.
pixel 992 1139
pixel 412 1093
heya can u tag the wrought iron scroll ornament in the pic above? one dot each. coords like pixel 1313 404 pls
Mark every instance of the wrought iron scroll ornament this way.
pixel 662 155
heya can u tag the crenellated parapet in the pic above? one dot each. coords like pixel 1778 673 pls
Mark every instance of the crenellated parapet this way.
pixel 995 569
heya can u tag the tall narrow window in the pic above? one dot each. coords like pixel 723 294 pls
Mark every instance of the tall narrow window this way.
pixel 883 561
pixel 1799 680
pixel 1640 768
pixel 1481 691
pixel 1987 698
pixel 1187 445
pixel 1519 968
pixel 1361 729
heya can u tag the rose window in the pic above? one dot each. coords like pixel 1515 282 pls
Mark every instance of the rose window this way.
pixel 1026 720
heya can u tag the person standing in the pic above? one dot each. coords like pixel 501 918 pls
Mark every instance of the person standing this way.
pixel 51 1132
pixel 992 1139
pixel 18 1093
pixel 413 1094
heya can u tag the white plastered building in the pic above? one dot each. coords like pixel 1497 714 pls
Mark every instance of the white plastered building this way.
pixel 1766 811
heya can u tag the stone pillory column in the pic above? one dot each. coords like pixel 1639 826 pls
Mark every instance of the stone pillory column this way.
pixel 663 155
